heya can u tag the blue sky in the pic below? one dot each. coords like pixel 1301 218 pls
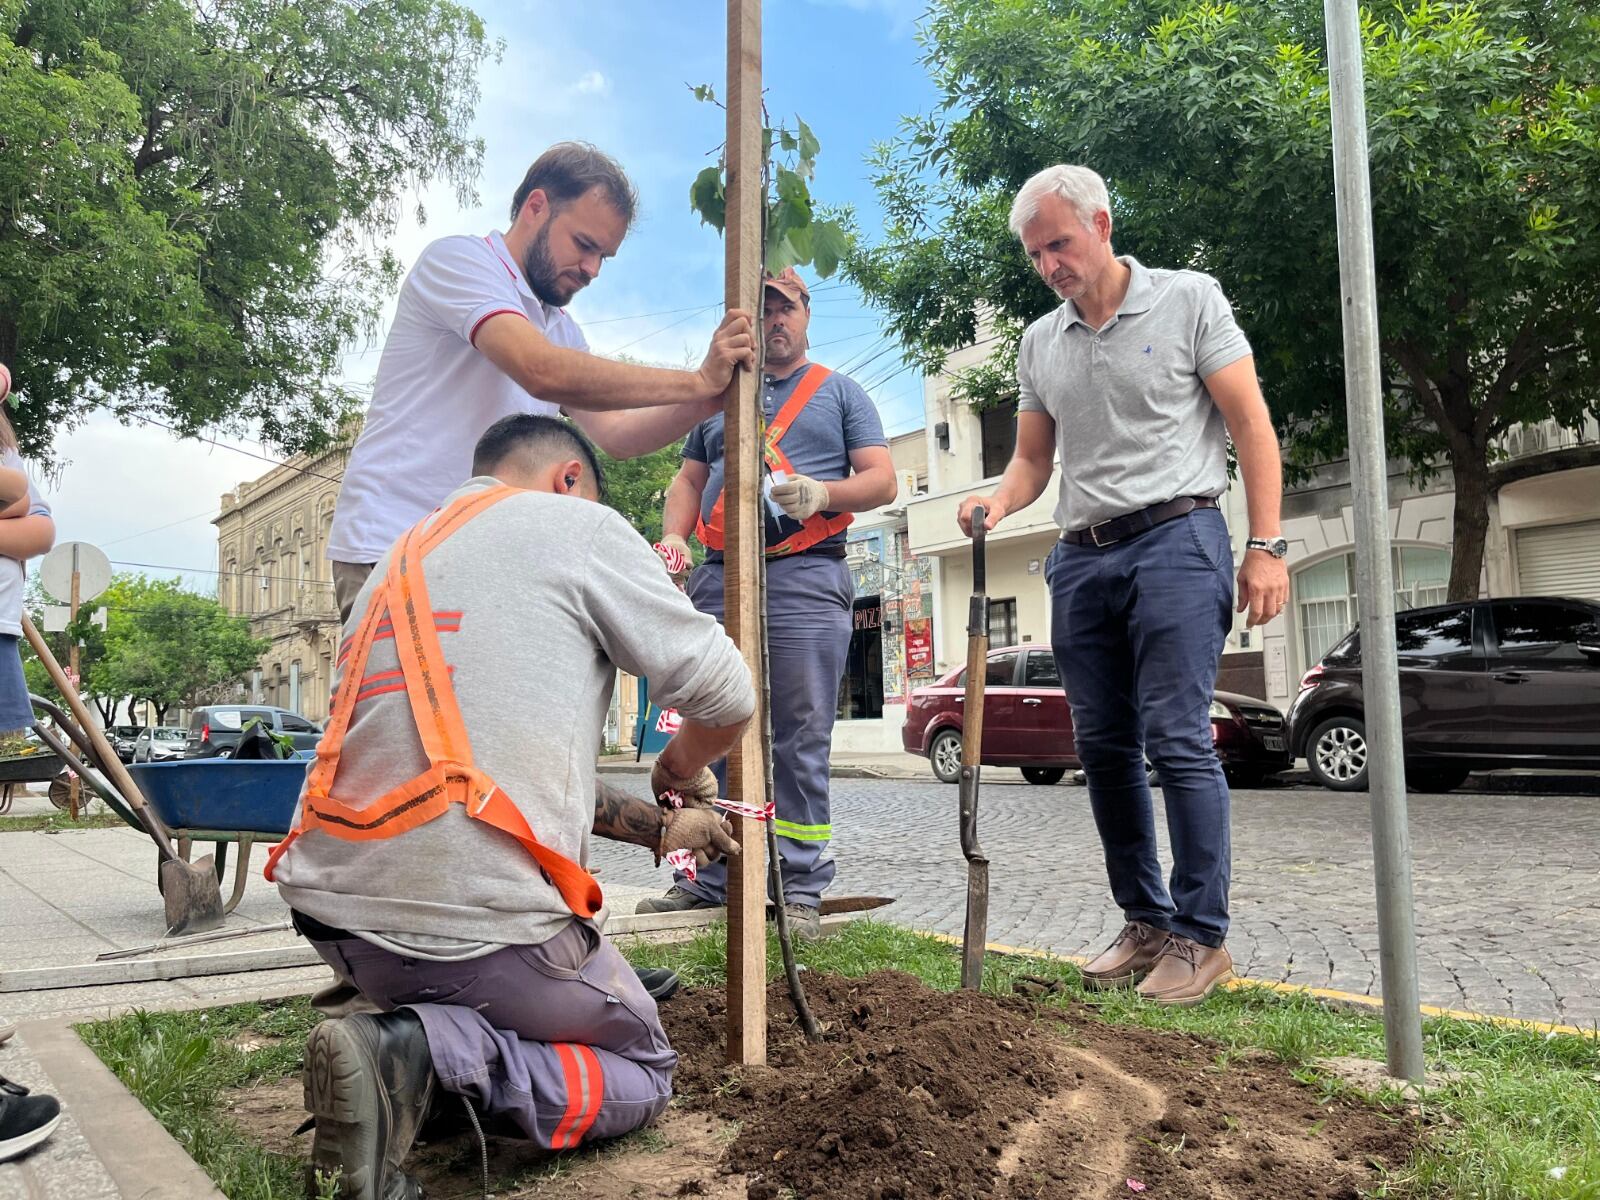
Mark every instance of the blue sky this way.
pixel 614 73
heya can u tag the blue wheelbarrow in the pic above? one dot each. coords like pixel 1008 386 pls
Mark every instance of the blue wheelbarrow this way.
pixel 226 802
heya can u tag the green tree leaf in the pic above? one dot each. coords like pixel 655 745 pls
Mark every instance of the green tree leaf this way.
pixel 706 198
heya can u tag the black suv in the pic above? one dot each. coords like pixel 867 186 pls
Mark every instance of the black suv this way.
pixel 215 730
pixel 1485 684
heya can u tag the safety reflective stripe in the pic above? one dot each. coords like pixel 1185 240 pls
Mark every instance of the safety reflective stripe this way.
pixel 596 1081
pixel 585 1083
pixel 803 833
pixel 572 1076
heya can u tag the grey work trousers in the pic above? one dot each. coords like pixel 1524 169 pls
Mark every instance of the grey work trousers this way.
pixel 560 1037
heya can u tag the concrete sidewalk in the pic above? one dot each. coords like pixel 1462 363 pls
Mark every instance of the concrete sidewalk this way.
pixel 66 897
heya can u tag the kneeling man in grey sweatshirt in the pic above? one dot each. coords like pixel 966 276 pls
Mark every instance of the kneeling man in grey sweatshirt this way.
pixel 438 855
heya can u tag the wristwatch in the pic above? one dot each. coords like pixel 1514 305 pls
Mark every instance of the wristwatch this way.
pixel 1277 547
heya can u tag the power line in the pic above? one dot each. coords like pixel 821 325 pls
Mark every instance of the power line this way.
pixel 277 462
pixel 211 571
pixel 666 327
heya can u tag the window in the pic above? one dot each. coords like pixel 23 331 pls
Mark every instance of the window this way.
pixel 999 438
pixel 1325 594
pixel 1002 622
pixel 290 723
pixel 1540 633
pixel 1001 671
pixel 1040 670
pixel 1438 637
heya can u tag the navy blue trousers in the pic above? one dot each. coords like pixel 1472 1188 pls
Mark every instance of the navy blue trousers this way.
pixel 809 600
pixel 1138 629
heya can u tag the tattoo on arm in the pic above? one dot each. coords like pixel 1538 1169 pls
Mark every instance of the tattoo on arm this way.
pixel 625 818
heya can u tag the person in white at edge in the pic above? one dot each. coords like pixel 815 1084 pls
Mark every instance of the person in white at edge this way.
pixel 480 333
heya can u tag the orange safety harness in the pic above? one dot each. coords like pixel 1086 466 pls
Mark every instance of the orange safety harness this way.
pixel 401 602
pixel 814 528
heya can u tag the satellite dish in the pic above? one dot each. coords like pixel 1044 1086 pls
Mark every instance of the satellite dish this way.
pixel 91 564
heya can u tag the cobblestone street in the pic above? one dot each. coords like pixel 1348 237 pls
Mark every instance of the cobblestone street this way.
pixel 1508 910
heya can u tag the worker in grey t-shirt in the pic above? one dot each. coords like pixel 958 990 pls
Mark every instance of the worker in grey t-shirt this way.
pixel 1136 382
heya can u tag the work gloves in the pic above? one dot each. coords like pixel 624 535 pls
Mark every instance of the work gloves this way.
pixel 674 554
pixel 700 831
pixel 800 496
pixel 697 791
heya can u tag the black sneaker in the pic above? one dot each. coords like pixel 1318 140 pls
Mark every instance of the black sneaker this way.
pixel 368 1083
pixel 25 1120
pixel 676 900
pixel 660 982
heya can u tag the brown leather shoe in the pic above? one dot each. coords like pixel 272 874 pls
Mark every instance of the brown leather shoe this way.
pixel 1125 962
pixel 1186 972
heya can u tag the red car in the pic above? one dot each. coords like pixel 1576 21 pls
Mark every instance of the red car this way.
pixel 1027 723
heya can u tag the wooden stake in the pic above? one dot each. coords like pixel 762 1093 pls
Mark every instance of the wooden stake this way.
pixel 746 542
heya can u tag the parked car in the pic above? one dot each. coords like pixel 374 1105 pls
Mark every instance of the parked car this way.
pixel 122 738
pixel 215 730
pixel 159 744
pixel 1483 684
pixel 1027 723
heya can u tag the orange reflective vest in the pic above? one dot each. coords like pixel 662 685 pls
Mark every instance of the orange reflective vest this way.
pixel 401 607
pixel 814 528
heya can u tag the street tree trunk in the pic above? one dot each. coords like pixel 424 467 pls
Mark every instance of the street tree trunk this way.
pixel 1471 470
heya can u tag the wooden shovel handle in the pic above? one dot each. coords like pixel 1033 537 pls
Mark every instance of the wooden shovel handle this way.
pixel 109 762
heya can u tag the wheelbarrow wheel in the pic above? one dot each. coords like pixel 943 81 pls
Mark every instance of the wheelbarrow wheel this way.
pixel 61 792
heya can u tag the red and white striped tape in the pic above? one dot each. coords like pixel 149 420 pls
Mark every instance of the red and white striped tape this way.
pixel 677 562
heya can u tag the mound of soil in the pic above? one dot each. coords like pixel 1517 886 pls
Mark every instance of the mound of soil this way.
pixel 919 1094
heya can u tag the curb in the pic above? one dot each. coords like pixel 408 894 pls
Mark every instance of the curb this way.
pixel 1355 1001
pixel 142 1158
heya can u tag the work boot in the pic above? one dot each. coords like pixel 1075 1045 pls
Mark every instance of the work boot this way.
pixel 676 900
pixel 1186 972
pixel 368 1083
pixel 25 1120
pixel 660 982
pixel 1126 961
pixel 805 921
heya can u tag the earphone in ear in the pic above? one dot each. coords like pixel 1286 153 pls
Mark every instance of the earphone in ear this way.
pixel 571 481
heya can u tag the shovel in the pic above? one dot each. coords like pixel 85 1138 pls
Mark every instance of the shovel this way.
pixel 975 934
pixel 190 891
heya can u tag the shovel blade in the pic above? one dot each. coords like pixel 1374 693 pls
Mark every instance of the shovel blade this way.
pixel 192 896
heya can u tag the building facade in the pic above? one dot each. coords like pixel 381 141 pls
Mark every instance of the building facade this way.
pixel 1543 539
pixel 891 646
pixel 272 564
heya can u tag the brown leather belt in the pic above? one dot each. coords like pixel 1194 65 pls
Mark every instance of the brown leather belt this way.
pixel 1120 529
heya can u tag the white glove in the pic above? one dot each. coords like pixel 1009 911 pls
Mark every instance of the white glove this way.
pixel 800 496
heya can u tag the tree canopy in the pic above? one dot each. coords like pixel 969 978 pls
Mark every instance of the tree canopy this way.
pixel 1210 122
pixel 191 196
pixel 162 644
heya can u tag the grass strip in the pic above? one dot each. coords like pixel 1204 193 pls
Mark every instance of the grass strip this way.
pixel 1519 1118
pixel 58 822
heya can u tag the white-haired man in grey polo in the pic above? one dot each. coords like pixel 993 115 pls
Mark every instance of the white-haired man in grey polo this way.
pixel 1137 381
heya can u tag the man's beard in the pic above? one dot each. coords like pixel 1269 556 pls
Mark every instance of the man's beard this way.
pixel 793 348
pixel 542 275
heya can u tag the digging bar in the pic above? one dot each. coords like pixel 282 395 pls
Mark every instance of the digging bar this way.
pixel 975 934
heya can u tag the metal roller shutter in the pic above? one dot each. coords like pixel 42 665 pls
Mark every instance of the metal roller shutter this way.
pixel 1560 560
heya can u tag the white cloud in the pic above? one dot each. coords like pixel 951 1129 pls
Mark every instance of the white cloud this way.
pixel 592 83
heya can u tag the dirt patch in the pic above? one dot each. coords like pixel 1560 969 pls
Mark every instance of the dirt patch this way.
pixel 924 1094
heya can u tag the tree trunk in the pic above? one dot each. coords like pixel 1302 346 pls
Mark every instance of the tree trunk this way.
pixel 161 713
pixel 1471 516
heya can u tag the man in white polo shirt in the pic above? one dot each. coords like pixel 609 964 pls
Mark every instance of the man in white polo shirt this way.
pixel 481 333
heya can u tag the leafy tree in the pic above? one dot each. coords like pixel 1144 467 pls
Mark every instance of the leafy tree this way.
pixel 1211 123
pixel 637 487
pixel 191 197
pixel 161 644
